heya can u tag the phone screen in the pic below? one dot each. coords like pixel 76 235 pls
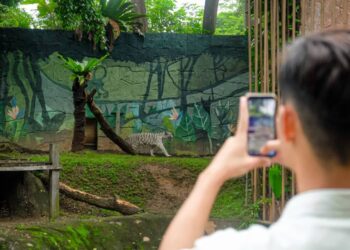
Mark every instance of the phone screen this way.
pixel 261 128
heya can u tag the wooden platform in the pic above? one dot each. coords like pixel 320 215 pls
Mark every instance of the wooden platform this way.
pixel 52 166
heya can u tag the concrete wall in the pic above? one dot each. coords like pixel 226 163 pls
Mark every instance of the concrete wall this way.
pixel 163 82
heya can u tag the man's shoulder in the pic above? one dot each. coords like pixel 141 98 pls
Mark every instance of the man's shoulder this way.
pixel 255 237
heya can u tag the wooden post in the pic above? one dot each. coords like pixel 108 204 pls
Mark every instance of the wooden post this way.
pixel 54 182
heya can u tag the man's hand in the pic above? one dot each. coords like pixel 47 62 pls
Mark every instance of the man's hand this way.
pixel 233 160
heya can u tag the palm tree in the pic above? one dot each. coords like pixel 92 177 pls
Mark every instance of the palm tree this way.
pixel 121 17
pixel 81 75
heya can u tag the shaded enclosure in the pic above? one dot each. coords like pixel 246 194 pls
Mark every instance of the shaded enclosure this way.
pixel 184 84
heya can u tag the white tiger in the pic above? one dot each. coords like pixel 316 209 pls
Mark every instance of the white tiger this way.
pixel 149 139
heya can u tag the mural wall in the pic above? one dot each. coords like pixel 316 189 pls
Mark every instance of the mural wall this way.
pixel 188 85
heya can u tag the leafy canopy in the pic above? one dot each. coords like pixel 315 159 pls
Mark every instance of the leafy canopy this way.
pixel 81 70
pixel 47 18
pixel 14 17
pixel 120 11
pixel 11 3
pixel 164 16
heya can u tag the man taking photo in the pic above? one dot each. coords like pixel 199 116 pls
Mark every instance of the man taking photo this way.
pixel 313 131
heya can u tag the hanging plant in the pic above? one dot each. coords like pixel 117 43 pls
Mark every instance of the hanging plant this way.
pixel 92 19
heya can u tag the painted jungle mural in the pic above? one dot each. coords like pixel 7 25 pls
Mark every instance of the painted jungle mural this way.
pixel 188 86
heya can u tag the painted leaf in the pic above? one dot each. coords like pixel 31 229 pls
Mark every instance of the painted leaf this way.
pixel 185 131
pixel 201 118
pixel 275 180
pixel 168 124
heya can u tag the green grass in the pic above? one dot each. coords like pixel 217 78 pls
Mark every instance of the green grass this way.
pixel 108 174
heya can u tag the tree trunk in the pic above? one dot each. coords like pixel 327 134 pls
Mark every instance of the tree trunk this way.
pixel 79 100
pixel 210 14
pixel 140 8
pixel 105 127
pixel 111 203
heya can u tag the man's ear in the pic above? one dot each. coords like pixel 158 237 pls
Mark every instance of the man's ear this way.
pixel 289 120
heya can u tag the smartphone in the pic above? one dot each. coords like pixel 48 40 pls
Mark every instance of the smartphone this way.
pixel 261 127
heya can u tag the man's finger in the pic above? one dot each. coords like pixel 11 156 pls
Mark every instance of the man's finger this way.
pixel 243 117
pixel 273 145
pixel 255 162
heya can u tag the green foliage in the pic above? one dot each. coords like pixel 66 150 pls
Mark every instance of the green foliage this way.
pixel 121 11
pixel 230 19
pixel 47 18
pixel 11 3
pixel 185 131
pixel 106 174
pixel 201 118
pixel 164 16
pixel 13 17
pixel 80 70
pixel 275 180
pixel 83 15
pixel 168 124
pixel 71 238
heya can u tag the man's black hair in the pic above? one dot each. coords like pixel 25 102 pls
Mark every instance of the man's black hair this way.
pixel 315 77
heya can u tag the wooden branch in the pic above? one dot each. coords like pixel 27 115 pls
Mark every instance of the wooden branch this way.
pixel 111 203
pixel 106 128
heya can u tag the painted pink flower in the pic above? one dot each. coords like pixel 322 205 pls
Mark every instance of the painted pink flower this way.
pixel 13 112
pixel 174 114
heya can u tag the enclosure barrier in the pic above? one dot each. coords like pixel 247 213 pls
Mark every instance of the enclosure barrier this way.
pixel 271 25
pixel 53 167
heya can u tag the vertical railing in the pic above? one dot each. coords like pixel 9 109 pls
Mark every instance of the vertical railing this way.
pixel 271 25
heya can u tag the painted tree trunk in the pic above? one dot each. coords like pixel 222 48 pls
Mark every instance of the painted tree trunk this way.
pixel 79 100
pixel 210 14
pixel 105 127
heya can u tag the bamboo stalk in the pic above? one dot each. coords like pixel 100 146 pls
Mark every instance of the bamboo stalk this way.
pixel 264 193
pixel 303 16
pixel 249 44
pixel 266 48
pixel 277 39
pixel 293 184
pixel 261 55
pixel 273 45
pixel 256 48
pixel 294 19
pixel 249 24
pixel 283 197
pixel 273 208
pixel 284 17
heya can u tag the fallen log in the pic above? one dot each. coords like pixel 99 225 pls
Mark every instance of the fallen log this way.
pixel 111 203
pixel 105 127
